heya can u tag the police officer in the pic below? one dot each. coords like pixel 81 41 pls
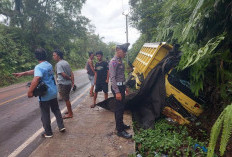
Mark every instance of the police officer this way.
pixel 118 87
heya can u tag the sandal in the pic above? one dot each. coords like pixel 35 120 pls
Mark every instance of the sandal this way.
pixel 66 117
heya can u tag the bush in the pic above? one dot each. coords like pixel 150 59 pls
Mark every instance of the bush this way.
pixel 169 139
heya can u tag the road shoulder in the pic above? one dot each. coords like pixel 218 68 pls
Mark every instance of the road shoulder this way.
pixel 91 132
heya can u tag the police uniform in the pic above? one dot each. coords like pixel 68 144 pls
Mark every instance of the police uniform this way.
pixel 117 78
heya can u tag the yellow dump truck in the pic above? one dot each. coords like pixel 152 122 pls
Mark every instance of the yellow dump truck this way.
pixel 181 104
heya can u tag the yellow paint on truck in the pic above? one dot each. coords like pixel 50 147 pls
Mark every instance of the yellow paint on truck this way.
pixel 148 57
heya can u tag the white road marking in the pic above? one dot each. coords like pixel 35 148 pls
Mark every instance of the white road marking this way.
pixel 39 132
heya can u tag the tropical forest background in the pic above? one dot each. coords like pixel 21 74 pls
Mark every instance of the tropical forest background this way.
pixel 203 28
pixel 49 24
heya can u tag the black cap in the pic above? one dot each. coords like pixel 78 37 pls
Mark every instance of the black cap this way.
pixel 123 47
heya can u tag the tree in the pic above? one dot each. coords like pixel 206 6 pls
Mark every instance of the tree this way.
pixel 192 26
pixel 203 29
pixel 58 19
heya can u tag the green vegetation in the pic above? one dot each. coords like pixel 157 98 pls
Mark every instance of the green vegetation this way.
pixel 201 27
pixel 224 121
pixel 203 30
pixel 53 24
pixel 168 139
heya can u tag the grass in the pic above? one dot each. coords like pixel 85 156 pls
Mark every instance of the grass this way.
pixel 9 80
pixel 167 139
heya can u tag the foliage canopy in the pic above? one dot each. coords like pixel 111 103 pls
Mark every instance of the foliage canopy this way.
pixel 202 27
pixel 49 24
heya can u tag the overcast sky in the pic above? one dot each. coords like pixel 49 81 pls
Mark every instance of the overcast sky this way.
pixel 106 16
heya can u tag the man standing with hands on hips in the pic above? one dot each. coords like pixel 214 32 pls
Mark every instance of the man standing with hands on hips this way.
pixel 118 87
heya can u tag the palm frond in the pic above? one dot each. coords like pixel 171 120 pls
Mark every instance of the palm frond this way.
pixel 224 120
pixel 227 127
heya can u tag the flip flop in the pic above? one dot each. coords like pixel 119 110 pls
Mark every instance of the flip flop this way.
pixel 66 117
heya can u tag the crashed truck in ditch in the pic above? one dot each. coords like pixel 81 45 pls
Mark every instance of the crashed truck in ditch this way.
pixel 181 105
pixel 161 89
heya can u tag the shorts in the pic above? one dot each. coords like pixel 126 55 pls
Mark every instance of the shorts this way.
pixel 64 91
pixel 91 79
pixel 100 87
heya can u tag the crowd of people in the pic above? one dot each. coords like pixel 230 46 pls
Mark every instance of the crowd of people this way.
pixel 99 76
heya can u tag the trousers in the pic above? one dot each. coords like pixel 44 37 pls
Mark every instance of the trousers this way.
pixel 119 109
pixel 45 115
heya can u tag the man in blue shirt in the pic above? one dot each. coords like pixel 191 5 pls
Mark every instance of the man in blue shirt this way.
pixel 44 72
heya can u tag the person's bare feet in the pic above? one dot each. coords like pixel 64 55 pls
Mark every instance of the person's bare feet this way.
pixel 66 116
pixel 91 94
pixel 92 106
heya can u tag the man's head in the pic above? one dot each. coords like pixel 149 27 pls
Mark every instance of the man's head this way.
pixel 121 50
pixel 40 54
pixel 91 55
pixel 57 55
pixel 99 55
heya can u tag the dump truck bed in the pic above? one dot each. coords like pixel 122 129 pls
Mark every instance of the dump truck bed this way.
pixel 148 57
pixel 182 105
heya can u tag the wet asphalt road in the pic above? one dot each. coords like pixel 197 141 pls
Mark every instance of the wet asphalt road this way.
pixel 20 116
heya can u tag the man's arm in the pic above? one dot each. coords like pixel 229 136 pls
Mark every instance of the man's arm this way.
pixel 108 75
pixel 112 74
pixel 91 65
pixel 29 72
pixel 127 91
pixel 34 84
pixel 107 78
pixel 66 76
pixel 60 70
pixel 95 75
pixel 95 78
pixel 72 78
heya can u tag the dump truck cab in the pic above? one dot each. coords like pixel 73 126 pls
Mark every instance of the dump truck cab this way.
pixel 181 104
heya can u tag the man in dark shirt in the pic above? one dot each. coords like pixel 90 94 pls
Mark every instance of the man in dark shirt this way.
pixel 101 77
